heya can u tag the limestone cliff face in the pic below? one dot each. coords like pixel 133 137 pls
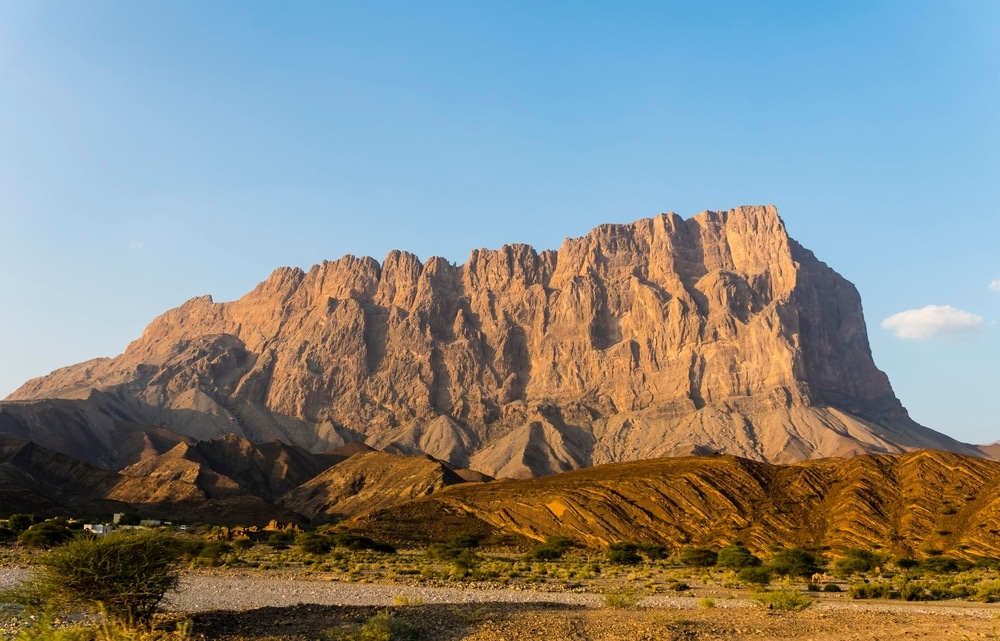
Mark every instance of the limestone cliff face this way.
pixel 664 336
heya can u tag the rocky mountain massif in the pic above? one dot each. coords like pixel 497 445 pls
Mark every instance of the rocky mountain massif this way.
pixel 658 338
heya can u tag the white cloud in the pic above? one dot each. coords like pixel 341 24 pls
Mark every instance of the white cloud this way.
pixel 136 246
pixel 995 285
pixel 933 320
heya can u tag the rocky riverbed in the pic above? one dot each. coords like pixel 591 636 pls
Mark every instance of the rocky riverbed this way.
pixel 247 606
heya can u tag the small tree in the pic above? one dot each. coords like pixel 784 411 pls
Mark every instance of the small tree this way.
pixel 858 561
pixel 20 522
pixel 624 553
pixel 125 573
pixel 312 543
pixel 553 548
pixel 795 562
pixel 736 557
pixel 755 574
pixel 699 557
pixel 46 534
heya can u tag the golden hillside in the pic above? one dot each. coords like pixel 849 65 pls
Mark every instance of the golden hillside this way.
pixel 906 503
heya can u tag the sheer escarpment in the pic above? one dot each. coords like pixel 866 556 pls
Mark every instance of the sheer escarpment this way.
pixel 661 337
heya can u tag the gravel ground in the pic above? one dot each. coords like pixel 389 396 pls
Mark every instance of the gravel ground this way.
pixel 199 593
pixel 265 607
pixel 219 591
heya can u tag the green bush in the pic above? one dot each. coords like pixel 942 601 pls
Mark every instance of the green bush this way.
pixel 384 627
pixel 857 561
pixel 987 591
pixel 211 552
pixel 125 574
pixel 907 563
pixel 787 600
pixel 939 564
pixel 624 553
pixel 623 598
pixel 756 575
pixel 876 590
pixel 462 540
pixel 794 562
pixel 278 540
pixel 242 544
pixel 457 549
pixel 357 542
pixel 46 534
pixel 699 557
pixel 912 591
pixel 736 557
pixel 312 543
pixel 553 548
pixel 20 522
pixel 831 587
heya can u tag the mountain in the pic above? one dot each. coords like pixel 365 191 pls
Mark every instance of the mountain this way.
pixel 368 481
pixel 39 481
pixel 232 465
pixel 903 503
pixel 662 337
pixel 228 481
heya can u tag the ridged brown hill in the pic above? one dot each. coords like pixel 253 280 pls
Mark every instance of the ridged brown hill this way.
pixel 905 503
pixel 227 481
pixel 368 481
pixel 662 337
pixel 39 481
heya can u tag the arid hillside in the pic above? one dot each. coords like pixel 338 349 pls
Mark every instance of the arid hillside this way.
pixel 227 482
pixel 910 504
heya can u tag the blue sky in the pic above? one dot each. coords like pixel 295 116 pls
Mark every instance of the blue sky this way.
pixel 155 151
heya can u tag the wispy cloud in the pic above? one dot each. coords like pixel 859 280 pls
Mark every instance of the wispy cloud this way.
pixel 135 246
pixel 995 285
pixel 931 321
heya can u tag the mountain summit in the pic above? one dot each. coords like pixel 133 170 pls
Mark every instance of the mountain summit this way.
pixel 662 337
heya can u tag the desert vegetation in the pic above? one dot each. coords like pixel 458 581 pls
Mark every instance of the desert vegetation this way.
pixel 122 577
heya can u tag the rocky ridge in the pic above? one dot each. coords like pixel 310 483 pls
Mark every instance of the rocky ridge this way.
pixel 657 338
pixel 228 481
pixel 907 504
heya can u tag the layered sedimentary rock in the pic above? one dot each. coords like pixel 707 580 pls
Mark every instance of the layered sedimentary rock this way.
pixel 662 337
pixel 905 504
pixel 367 481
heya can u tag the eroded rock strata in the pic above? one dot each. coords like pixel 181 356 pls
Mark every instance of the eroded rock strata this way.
pixel 662 337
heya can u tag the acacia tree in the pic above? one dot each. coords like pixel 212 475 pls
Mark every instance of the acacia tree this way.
pixel 125 574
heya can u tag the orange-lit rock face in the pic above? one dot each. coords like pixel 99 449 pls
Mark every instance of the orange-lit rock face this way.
pixel 664 336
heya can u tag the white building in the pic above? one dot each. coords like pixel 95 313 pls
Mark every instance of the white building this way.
pixel 98 529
